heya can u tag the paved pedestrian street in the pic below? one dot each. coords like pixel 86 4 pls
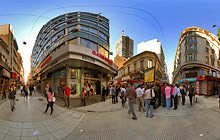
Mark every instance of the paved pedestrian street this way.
pixel 107 121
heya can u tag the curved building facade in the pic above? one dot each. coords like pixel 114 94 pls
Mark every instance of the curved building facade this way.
pixel 197 60
pixel 73 49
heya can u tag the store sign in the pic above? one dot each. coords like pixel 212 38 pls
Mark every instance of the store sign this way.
pixel 14 75
pixel 149 75
pixel 88 58
pixel 102 57
pixel 48 59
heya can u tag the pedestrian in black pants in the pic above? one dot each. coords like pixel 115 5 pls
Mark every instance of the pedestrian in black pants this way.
pixel 103 94
pixel 175 95
pixel 50 101
pixel 191 91
pixel 183 92
pixel 116 95
pixel 112 92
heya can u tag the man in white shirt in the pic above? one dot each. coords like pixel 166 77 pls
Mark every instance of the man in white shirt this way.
pixel 140 99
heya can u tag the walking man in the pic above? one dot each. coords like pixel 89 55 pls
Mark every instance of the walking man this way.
pixel 123 90
pixel 163 100
pixel 12 94
pixel 183 93
pixel 112 92
pixel 157 95
pixel 140 99
pixel 191 92
pixel 67 96
pixel 21 89
pixel 131 94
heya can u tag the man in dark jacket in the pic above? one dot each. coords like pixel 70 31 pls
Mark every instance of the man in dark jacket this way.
pixel 131 95
pixel 11 96
pixel 191 93
pixel 157 95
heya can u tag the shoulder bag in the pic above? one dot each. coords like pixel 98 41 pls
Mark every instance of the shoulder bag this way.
pixel 153 101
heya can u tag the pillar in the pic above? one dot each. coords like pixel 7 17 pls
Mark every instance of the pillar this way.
pixel 207 87
pixel 67 75
pixel 82 79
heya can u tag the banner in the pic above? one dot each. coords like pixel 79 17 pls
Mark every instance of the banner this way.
pixel 149 76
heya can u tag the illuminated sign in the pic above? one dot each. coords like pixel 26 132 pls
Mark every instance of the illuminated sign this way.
pixel 48 59
pixel 149 75
pixel 102 57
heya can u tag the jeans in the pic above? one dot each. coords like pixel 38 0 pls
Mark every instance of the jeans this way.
pixel 131 107
pixel 67 101
pixel 12 102
pixel 113 99
pixel 168 103
pixel 147 104
pixel 183 99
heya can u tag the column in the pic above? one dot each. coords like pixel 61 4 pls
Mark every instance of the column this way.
pixel 82 79
pixel 67 75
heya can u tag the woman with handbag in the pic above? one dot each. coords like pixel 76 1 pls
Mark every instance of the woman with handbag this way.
pixel 149 100
pixel 51 100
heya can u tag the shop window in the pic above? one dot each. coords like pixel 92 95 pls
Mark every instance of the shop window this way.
pixel 191 75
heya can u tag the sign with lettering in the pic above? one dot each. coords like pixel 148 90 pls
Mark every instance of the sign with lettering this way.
pixel 48 59
pixel 102 57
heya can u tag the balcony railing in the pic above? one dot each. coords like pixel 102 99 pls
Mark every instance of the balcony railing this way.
pixel 4 64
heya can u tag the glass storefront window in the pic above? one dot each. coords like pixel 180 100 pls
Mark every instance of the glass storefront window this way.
pixel 74 82
pixel 60 81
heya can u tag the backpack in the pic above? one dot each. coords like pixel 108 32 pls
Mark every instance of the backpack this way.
pixel 122 93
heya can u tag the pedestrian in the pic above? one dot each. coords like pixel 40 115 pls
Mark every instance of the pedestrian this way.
pixel 50 102
pixel 191 92
pixel 131 94
pixel 11 97
pixel 4 91
pixel 30 89
pixel 117 89
pixel 168 96
pixel 112 92
pixel 34 88
pixel 149 100
pixel 21 88
pixel 163 98
pixel 171 98
pixel 157 95
pixel 140 100
pixel 175 96
pixel 83 97
pixel 25 92
pixel 87 90
pixel 91 89
pixel 67 96
pixel 123 90
pixel 103 94
pixel 178 95
pixel 183 93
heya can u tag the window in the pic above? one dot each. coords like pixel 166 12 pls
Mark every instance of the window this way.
pixel 142 64
pixel 128 70
pixel 93 31
pixel 88 44
pixel 103 51
pixel 149 63
pixel 207 49
pixel 190 57
pixel 85 28
pixel 135 66
pixel 195 57
pixel 213 62
pixel 73 41
pixel 195 46
pixel 207 60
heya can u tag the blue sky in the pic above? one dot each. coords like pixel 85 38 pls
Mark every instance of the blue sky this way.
pixel 142 20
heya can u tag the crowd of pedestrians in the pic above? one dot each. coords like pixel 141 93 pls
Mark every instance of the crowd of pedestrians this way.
pixel 150 97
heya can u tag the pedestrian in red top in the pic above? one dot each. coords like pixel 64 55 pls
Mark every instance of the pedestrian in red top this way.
pixel 163 98
pixel 67 96
pixel 172 97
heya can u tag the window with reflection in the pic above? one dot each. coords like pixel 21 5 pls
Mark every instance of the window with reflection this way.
pixel 149 63
pixel 102 51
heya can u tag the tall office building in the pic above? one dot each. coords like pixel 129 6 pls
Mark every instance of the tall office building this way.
pixel 124 46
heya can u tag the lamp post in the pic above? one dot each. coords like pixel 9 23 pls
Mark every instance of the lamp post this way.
pixel 218 31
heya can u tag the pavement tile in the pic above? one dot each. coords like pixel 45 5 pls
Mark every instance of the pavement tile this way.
pixel 37 124
pixel 59 134
pixel 29 138
pixel 7 137
pixel 27 132
pixel 46 137
pixel 41 131
pixel 2 135
pixel 14 132
pixel 27 125
pixel 4 130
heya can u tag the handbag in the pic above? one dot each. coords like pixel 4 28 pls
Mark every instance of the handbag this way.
pixel 153 101
pixel 54 99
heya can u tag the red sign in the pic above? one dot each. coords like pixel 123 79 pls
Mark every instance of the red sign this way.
pixel 101 56
pixel 14 75
pixel 48 59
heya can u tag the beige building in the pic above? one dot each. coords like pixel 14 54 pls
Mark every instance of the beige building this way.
pixel 119 61
pixel 8 54
pixel 197 60
pixel 125 46
pixel 136 67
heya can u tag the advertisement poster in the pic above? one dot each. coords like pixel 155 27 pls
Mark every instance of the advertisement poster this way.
pixel 149 76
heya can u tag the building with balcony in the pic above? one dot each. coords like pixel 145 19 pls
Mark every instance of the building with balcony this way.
pixel 73 49
pixel 136 67
pixel 8 54
pixel 125 46
pixel 197 60
pixel 154 46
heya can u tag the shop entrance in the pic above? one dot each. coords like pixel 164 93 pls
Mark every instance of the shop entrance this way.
pixel 94 85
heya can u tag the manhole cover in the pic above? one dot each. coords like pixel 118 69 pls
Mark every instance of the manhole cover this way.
pixel 40 99
pixel 16 99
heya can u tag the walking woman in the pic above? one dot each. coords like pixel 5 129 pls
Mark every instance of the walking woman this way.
pixel 25 88
pixel 149 97
pixel 11 97
pixel 50 100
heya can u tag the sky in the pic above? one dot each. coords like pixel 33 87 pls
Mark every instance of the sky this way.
pixel 141 20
